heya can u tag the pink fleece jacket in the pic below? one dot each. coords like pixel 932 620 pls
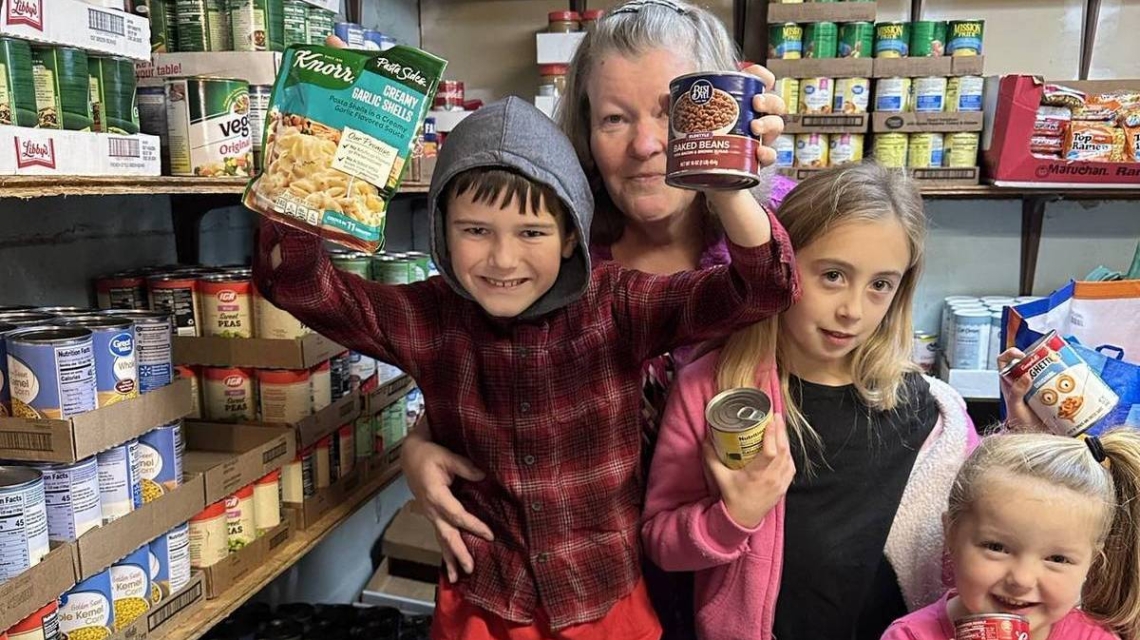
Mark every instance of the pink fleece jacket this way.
pixel 687 528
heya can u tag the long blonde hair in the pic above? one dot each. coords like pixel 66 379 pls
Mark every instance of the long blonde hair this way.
pixel 847 193
pixel 1112 590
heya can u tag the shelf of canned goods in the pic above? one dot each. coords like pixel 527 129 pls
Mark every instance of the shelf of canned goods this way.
pixel 45 186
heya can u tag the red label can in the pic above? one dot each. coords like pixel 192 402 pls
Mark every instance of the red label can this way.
pixel 710 139
pixel 449 96
pixel 992 626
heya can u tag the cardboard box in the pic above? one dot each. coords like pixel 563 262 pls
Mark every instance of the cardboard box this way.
pixel 968 65
pixel 237 565
pixel 231 456
pixel 827 123
pixel 445 121
pixel 73 23
pixel 409 596
pixel 821 67
pixel 940 122
pixel 1011 104
pixel 912 67
pixel 387 393
pixel 169 613
pixel 26 151
pixel 945 176
pixel 799 174
pixel 255 67
pixel 972 384
pixel 23 595
pixel 260 353
pixel 301 516
pixel 82 436
pixel 823 12
pixel 557 48
pixel 100 547
pixel 410 544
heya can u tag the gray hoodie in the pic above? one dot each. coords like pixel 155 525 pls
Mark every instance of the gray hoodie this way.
pixel 513 134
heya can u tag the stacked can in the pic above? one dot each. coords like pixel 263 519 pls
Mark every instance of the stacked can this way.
pixel 971 329
pixel 928 38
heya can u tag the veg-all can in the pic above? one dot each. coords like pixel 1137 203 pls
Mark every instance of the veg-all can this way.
pixel 241 520
pixel 188 372
pixel 116 370
pixel 927 39
pixel 785 147
pixel 960 150
pixel 17 84
pixel 258 110
pixel 964 93
pixel 925 351
pixel 87 611
pixel 992 626
pixel 789 91
pixel 208 536
pixel 852 95
pixel 892 95
pixel 227 304
pixel 737 420
pixel 964 37
pixel 845 148
pixel 353 262
pixel 710 139
pixel 209 129
pixel 41 625
pixel 924 151
pixel 202 25
pixel 170 562
pixel 257 25
pixel 51 372
pixel 112 90
pixel 890 149
pixel 296 16
pixel 120 483
pixel 125 290
pixel 812 150
pixel 320 24
pixel 72 498
pixel 821 40
pixel 419 265
pixel 285 395
pixel 892 39
pixel 160 460
pixel 785 41
pixel 130 587
pixel 160 13
pixel 63 88
pixel 24 537
pixel 929 94
pixel 177 294
pixel 229 394
pixel 1063 391
pixel 816 95
pixel 153 349
pixel 267 502
pixel 856 40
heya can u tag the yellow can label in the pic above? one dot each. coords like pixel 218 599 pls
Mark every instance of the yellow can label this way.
pixel 890 149
pixel 736 448
pixel 789 91
pixel 961 150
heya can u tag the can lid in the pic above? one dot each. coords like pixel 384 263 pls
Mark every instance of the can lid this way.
pixel 553 69
pixel 16 476
pixel 94 321
pixel 738 408
pixel 49 334
pixel 137 314
pixel 213 511
pixel 568 16
pixel 593 14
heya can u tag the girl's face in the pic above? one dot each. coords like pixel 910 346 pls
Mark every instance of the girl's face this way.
pixel 1024 547
pixel 850 276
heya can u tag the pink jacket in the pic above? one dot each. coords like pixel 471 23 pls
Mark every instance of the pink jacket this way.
pixel 686 526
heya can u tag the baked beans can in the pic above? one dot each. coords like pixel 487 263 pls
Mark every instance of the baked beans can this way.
pixel 816 95
pixel 812 150
pixel 845 148
pixel 51 372
pixel 925 351
pixel 24 538
pixel 160 460
pixel 208 127
pixel 964 37
pixel 169 562
pixel 229 394
pixel 789 91
pixel 964 93
pixel 267 501
pixel 992 626
pixel 710 139
pixel 785 146
pixel 737 420
pixel 929 94
pixel 924 150
pixel 927 38
pixel 120 481
pixel 450 95
pixel 852 95
pixel 893 95
pixel 890 149
pixel 188 372
pixel 88 611
pixel 971 338
pixel 241 521
pixel 960 150
pixel 227 306
pixel 1063 390
pixel 856 40
pixel 892 39
pixel 41 625
pixel 116 370
pixel 177 294
pixel 320 386
pixel 821 40
pixel 125 290
pixel 285 395
pixel 209 536
pixel 71 496
pixel 785 41
pixel 130 587
pixel 153 348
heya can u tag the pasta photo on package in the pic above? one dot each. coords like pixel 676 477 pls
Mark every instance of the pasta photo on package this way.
pixel 338 136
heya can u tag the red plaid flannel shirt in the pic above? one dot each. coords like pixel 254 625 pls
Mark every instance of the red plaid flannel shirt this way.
pixel 548 408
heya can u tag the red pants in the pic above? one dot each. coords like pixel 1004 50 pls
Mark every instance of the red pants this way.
pixel 631 618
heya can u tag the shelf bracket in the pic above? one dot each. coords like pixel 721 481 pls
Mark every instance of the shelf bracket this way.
pixel 1032 223
pixel 187 212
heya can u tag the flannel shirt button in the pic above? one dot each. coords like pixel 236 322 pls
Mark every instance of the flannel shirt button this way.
pixel 524 407
pixel 524 352
pixel 529 460
pixel 536 507
pixel 543 557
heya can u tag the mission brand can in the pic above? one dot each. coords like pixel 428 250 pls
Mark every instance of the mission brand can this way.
pixel 964 37
pixel 992 626
pixel 116 370
pixel 710 138
pixel 785 41
pixel 964 93
pixel 852 95
pixel 737 419
pixel 890 149
pixel 892 39
pixel 51 372
pixel 208 126
pixel 927 39
pixel 17 86
pixel 821 40
pixel 23 521
pixel 112 86
pixel 856 40
pixel 63 88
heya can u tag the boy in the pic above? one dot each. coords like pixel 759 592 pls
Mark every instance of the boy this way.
pixel 530 365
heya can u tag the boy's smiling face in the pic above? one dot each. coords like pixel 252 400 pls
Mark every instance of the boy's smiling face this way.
pixel 505 260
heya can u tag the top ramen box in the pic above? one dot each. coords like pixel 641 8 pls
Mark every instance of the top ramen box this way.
pixel 338 135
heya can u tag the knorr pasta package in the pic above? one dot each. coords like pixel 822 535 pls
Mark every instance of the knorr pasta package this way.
pixel 339 132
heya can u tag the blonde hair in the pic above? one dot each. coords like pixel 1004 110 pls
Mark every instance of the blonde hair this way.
pixel 836 196
pixel 1112 590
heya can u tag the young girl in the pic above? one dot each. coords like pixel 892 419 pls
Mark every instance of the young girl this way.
pixel 1031 517
pixel 827 533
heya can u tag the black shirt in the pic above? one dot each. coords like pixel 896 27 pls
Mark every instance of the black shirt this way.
pixel 836 582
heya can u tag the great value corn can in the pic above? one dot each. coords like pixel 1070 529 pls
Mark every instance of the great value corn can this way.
pixel 130 587
pixel 23 521
pixel 116 370
pixel 87 610
pixel 71 495
pixel 51 372
pixel 120 484
pixel 160 460
pixel 170 562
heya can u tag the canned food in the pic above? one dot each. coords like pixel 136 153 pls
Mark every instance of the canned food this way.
pixel 345 441
pixel 120 481
pixel 991 626
pixel 785 147
pixel 353 262
pixel 151 103
pixel 208 536
pixel 816 95
pixel 67 311
pixel 5 393
pixel 947 321
pixel 241 522
pixel 737 421
pixel 320 24
pixel 450 95
pixel 890 149
pixel 960 150
pixel 286 395
pixel 322 463
pixel 227 309
pixel 116 371
pixel 927 39
pixel 964 37
pixel 296 22
pixel 130 587
pixel 1063 391
pixel 971 339
pixel 24 539
pixel 925 352
pixel 340 379
pixel 391 269
pixel 257 25
pixel 995 339
pixel 177 295
pixel 852 95
pixel 161 16
pixel 710 139
pixel 17 85
pixel 811 150
pixel 87 610
pixel 71 496
pixel 320 385
pixel 170 563
pixel 360 368
pixel 892 39
pixel 41 625
pixel 229 394
pixel 821 40
pixel 122 291
pixel 892 95
pixel 63 88
pixel 351 33
pixel 187 372
pixel 845 148
pixel 419 265
pixel 259 95
pixel 929 94
pixel 202 25
pixel 785 41
pixel 924 151
pixel 365 436
pixel 208 127
pixel 51 372
pixel 789 91
pixel 153 347
pixel 26 318
pixel 267 502
pixel 112 87
pixel 275 323
pixel 964 93
pixel 160 461
pixel 856 40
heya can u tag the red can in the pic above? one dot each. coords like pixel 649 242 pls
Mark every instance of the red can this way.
pixel 126 290
pixel 449 96
pixel 992 626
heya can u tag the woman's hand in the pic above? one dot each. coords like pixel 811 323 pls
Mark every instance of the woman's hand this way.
pixel 769 126
pixel 1018 415
pixel 750 493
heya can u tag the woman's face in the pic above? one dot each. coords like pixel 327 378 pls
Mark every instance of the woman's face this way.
pixel 629 130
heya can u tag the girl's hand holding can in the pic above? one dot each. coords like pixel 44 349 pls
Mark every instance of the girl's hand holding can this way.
pixel 751 492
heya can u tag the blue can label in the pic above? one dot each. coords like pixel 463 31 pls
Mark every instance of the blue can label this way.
pixel 51 380
pixel 116 372
pixel 153 354
pixel 170 562
pixel 160 461
pixel 87 610
pixel 710 138
pixel 120 486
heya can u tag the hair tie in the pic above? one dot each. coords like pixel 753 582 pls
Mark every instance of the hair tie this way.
pixel 1097 449
pixel 636 5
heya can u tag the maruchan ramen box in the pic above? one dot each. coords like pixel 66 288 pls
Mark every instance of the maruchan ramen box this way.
pixel 338 136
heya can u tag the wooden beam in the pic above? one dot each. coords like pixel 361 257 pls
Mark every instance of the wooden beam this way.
pixel 1090 16
pixel 1032 223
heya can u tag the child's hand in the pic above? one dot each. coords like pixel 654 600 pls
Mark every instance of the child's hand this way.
pixel 750 493
pixel 769 126
pixel 333 41
pixel 1018 415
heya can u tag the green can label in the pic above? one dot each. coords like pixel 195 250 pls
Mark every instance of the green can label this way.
pixel 209 127
pixel 856 40
pixel 257 25
pixel 964 37
pixel 202 25
pixel 17 86
pixel 320 24
pixel 113 106
pixel 821 40
pixel 892 39
pixel 63 88
pixel 927 39
pixel 785 41
pixel 296 22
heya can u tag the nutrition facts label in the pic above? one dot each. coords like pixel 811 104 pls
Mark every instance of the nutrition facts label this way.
pixel 76 366
pixel 180 304
pixel 153 352
pixel 23 530
pixel 72 497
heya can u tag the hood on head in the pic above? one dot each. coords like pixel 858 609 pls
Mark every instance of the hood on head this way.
pixel 513 134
